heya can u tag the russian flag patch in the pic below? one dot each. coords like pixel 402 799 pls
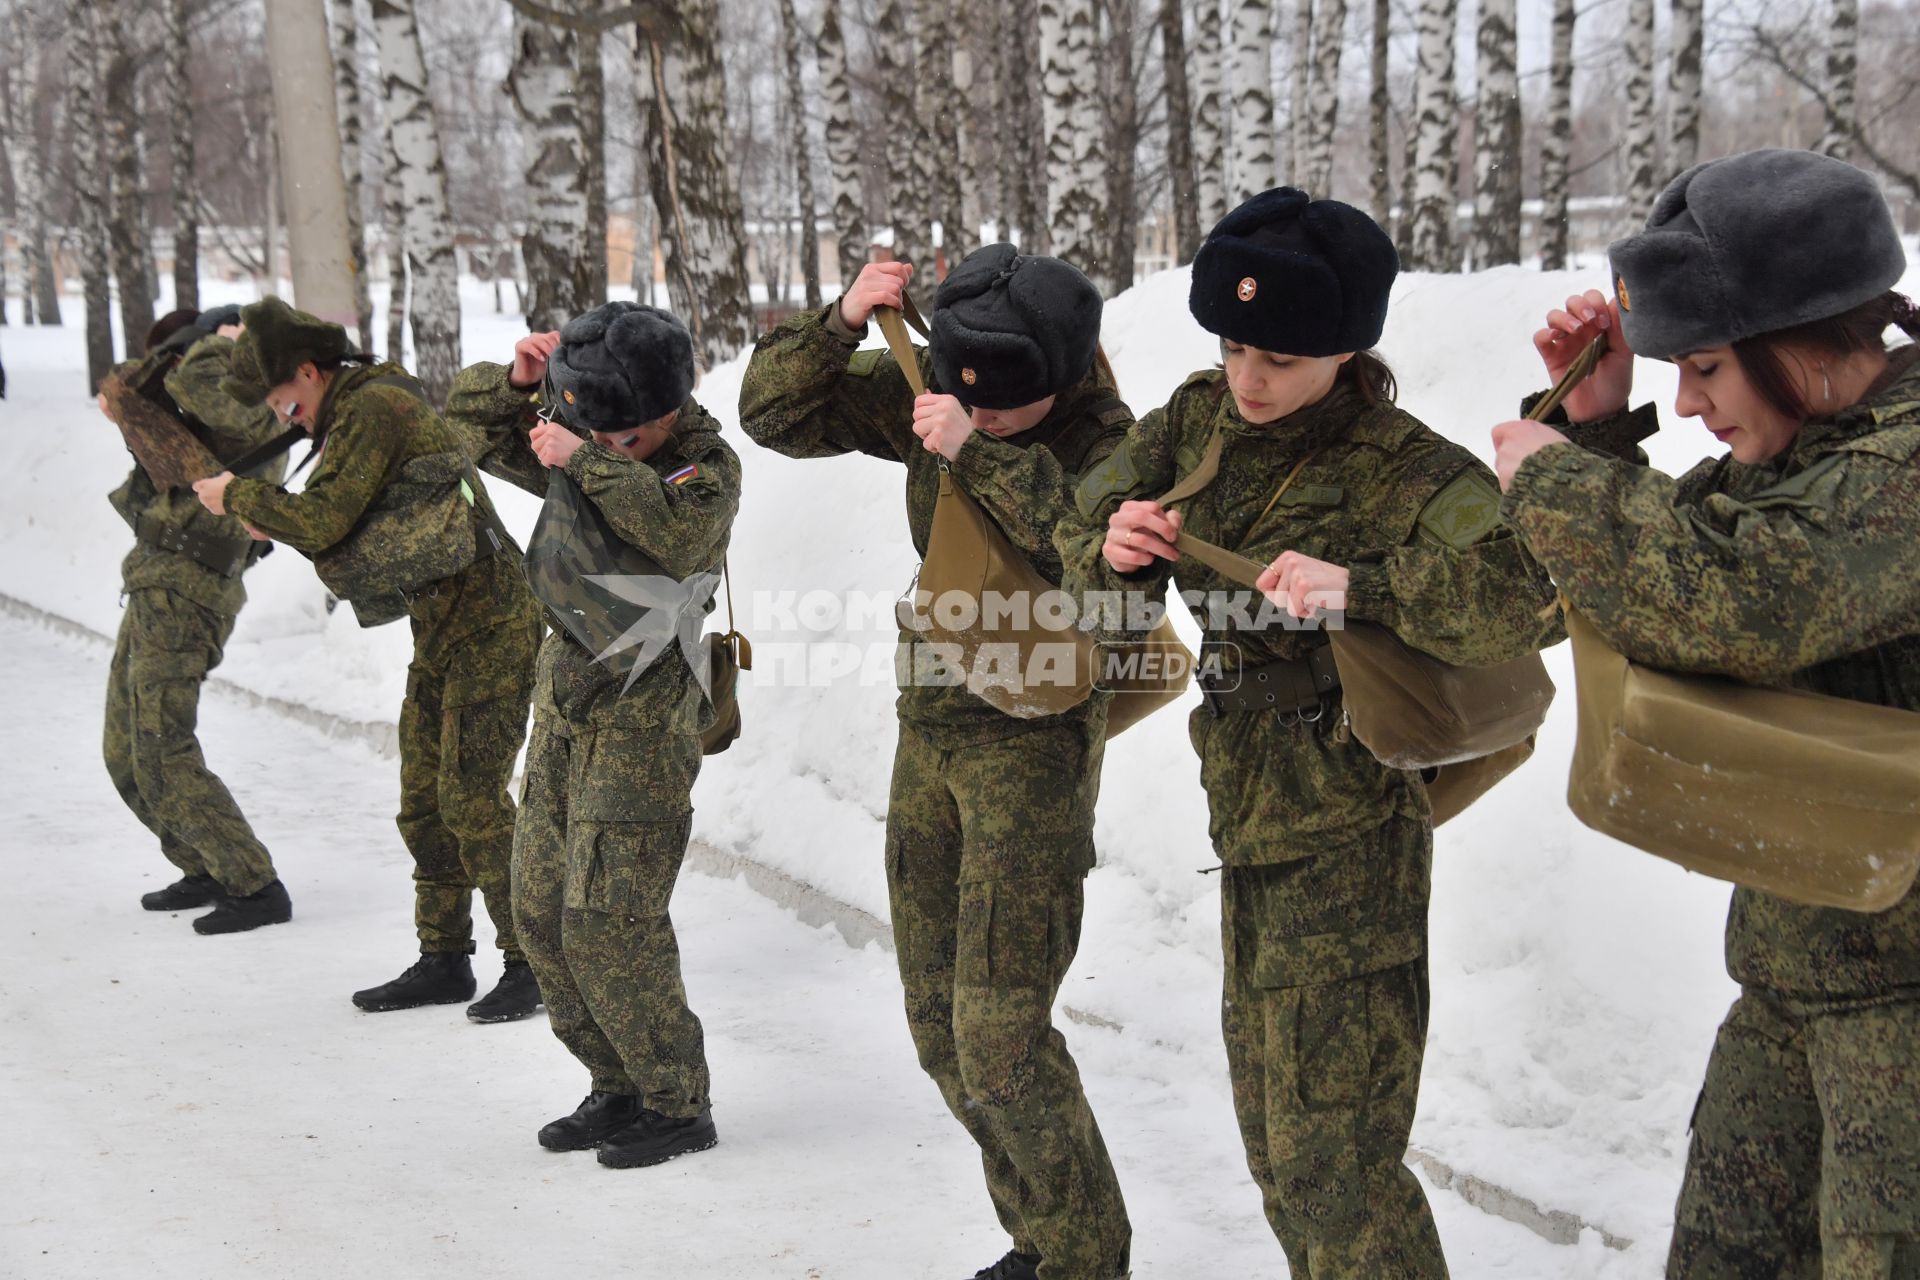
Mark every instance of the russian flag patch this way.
pixel 689 472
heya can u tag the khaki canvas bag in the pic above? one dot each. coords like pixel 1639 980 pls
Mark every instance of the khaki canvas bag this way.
pixel 140 405
pixel 1811 798
pixel 968 556
pixel 728 654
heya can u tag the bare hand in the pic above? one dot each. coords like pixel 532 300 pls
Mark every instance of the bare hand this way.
pixel 1302 585
pixel 1140 532
pixel 879 284
pixel 101 400
pixel 1515 442
pixel 530 356
pixel 942 425
pixel 1567 334
pixel 212 492
pixel 552 443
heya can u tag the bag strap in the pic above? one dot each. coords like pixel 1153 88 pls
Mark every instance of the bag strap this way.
pixel 1582 367
pixel 893 327
pixel 734 640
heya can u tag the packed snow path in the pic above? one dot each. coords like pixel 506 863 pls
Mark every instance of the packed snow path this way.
pixel 203 1107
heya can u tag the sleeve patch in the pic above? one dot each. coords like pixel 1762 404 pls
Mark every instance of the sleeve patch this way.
pixel 686 474
pixel 862 364
pixel 1114 475
pixel 1466 509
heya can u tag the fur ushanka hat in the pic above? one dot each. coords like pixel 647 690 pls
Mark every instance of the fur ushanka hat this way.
pixel 621 365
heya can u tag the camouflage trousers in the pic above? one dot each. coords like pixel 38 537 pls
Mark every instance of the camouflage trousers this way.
pixel 1325 1016
pixel 461 727
pixel 987 850
pixel 1805 1158
pixel 604 821
pixel 166 647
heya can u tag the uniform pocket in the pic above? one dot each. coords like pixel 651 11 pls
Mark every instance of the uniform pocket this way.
pixel 1866 1073
pixel 624 868
pixel 1326 1026
pixel 1019 934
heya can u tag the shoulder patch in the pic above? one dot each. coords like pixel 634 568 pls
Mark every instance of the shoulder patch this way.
pixel 1113 476
pixel 1466 509
pixel 863 363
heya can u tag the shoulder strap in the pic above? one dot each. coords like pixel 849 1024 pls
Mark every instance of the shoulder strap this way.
pixel 893 326
pixel 1203 475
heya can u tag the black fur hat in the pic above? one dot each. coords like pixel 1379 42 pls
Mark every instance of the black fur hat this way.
pixel 1294 275
pixel 620 365
pixel 1009 330
pixel 277 341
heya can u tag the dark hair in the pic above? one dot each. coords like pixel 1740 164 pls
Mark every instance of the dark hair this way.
pixel 168 325
pixel 1371 377
pixel 1764 362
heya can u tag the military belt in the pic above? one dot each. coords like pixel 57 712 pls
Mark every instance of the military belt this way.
pixel 227 557
pixel 1292 687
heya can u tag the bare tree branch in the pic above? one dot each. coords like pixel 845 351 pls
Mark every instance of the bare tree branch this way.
pixel 1772 47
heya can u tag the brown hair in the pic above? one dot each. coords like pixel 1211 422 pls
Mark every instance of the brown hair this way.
pixel 168 325
pixel 1763 360
pixel 1371 377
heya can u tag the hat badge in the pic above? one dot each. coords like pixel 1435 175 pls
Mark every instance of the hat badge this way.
pixel 1248 287
pixel 1620 288
pixel 969 377
pixel 567 396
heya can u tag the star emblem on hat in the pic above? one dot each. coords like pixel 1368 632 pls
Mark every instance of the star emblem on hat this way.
pixel 1248 287
pixel 1620 288
pixel 567 396
pixel 969 377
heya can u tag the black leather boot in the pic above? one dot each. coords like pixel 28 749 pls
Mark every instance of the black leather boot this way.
pixel 233 914
pixel 438 977
pixel 598 1116
pixel 655 1139
pixel 183 894
pixel 514 997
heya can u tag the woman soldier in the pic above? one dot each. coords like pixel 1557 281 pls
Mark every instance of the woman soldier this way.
pixel 376 512
pixel 990 818
pixel 1791 560
pixel 608 807
pixel 1327 853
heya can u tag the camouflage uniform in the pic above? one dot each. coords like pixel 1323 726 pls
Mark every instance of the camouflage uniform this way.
pixel 990 818
pixel 1327 852
pixel 1805 1159
pixel 474 634
pixel 179 613
pixel 608 805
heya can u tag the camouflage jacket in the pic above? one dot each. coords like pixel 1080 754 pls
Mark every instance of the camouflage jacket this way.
pixel 230 431
pixel 809 393
pixel 1414 517
pixel 1803 571
pixel 678 506
pixel 370 433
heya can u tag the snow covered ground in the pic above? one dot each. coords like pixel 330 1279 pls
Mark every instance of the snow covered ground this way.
pixel 1576 983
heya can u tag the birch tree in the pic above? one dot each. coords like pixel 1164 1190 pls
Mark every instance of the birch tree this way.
pixel 934 104
pixel 1558 145
pixel 1122 119
pixel 555 245
pixel 1180 130
pixel 1379 106
pixel 1298 68
pixel 39 296
pixel 1319 112
pixel 1025 120
pixel 128 234
pixel 1075 130
pixel 590 95
pixel 1436 182
pixel 177 61
pixel 695 192
pixel 1209 117
pixel 1252 85
pixel 393 209
pixel 843 144
pixel 907 196
pixel 965 93
pixel 646 238
pixel 802 157
pixel 345 27
pixel 1841 115
pixel 1641 185
pixel 1683 84
pixel 1496 148
pixel 89 183
pixel 431 265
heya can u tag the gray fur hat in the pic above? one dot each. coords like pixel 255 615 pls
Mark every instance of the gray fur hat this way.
pixel 1752 243
pixel 620 365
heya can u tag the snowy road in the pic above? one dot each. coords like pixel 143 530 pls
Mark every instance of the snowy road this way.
pixel 197 1107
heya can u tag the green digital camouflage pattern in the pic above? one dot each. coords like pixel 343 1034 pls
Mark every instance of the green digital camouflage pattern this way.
pixel 167 644
pixel 604 821
pixel 987 849
pixel 1325 1018
pixel 607 808
pixel 809 394
pixel 1805 572
pixel 1329 851
pixel 229 430
pixel 683 526
pixel 474 637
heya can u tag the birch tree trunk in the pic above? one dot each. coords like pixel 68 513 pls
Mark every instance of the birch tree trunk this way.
pixel 1123 137
pixel 393 207
pixel 1180 132
pixel 1252 82
pixel 1379 159
pixel 435 309
pixel 1320 111
pixel 186 212
pixel 270 225
pixel 128 230
pixel 972 100
pixel 1496 148
pixel 1843 38
pixel 1210 183
pixel 346 80
pixel 694 188
pixel 1070 85
pixel 646 237
pixel 591 97
pixel 1641 183
pixel 1558 145
pixel 802 157
pixel 907 194
pixel 934 28
pixel 1298 72
pixel 542 84
pixel 1683 84
pixel 1436 183
pixel 89 184
pixel 39 299
pixel 843 145
pixel 1025 114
